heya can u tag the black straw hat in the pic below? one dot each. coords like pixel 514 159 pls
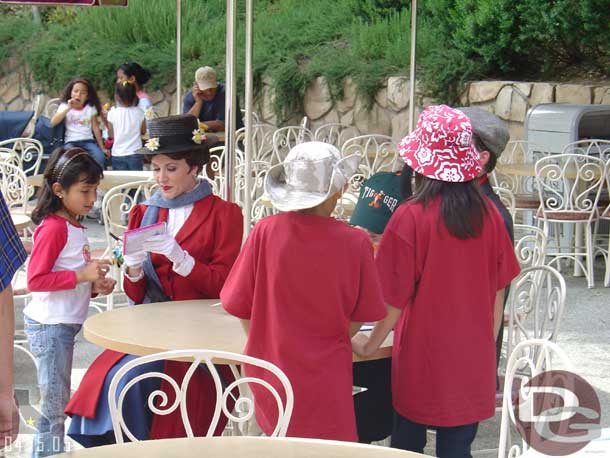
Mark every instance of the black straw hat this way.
pixel 176 134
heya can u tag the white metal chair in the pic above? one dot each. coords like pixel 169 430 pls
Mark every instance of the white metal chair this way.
pixel 529 359
pixel 507 198
pixel 378 153
pixel 262 141
pixel 256 119
pixel 26 153
pixel 285 138
pixel 589 147
pixel 51 107
pixel 116 205
pixel 523 188
pixel 569 186
pixel 535 304
pixel 530 245
pixel 244 405
pixel 14 187
pixel 602 241
pixel 335 133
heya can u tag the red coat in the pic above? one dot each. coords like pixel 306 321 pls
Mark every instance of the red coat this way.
pixel 212 235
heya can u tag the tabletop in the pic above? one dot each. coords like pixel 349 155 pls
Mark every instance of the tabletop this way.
pixel 241 447
pixel 21 221
pixel 111 178
pixel 181 325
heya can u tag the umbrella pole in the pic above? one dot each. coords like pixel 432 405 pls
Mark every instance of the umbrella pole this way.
pixel 248 122
pixel 230 101
pixel 412 65
pixel 178 109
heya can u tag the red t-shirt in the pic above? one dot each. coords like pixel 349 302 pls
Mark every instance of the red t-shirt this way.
pixel 301 279
pixel 443 365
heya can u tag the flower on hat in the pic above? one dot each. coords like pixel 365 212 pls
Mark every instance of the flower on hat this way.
pixel 152 144
pixel 198 136
pixel 203 126
pixel 149 113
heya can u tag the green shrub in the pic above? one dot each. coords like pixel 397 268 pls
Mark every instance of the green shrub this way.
pixel 296 41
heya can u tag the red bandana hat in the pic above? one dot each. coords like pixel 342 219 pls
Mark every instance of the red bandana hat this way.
pixel 441 146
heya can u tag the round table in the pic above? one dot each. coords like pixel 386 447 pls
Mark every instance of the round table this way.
pixel 21 221
pixel 241 447
pixel 182 325
pixel 111 178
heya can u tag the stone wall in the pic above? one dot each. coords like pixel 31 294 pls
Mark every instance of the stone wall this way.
pixel 510 100
pixel 388 115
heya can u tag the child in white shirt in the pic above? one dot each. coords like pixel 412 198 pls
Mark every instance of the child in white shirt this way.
pixel 126 124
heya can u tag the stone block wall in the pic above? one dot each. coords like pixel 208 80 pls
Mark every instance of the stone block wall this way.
pixel 388 115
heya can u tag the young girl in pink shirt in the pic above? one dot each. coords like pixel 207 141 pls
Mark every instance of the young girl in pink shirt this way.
pixel 62 277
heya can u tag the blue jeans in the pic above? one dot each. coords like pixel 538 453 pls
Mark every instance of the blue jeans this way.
pixel 92 148
pixel 131 162
pixel 451 441
pixel 53 346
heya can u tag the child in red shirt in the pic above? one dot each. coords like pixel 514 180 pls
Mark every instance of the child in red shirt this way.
pixel 302 285
pixel 443 262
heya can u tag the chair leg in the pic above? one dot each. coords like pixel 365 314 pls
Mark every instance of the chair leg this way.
pixel 607 275
pixel 589 255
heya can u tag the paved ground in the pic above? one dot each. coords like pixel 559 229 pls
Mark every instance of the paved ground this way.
pixel 584 335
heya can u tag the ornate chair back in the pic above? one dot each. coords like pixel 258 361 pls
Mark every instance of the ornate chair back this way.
pixel 530 245
pixel 244 405
pixel 285 138
pixel 529 359
pixel 536 302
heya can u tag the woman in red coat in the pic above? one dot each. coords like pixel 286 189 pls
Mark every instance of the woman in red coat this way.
pixel 191 260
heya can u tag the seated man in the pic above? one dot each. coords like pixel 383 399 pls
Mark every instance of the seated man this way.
pixel 206 101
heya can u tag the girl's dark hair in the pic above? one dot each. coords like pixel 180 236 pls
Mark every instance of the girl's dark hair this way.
pixel 192 158
pixel 463 206
pixel 406 176
pixel 92 98
pixel 125 92
pixel 66 167
pixel 133 69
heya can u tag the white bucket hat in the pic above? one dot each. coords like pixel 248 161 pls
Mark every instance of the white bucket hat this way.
pixel 310 174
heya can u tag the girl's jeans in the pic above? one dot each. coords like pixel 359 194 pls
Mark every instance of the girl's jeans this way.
pixel 53 346
pixel 92 148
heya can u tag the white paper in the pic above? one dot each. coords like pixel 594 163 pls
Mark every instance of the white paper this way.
pixel 133 239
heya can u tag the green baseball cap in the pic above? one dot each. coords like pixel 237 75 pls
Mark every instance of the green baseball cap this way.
pixel 379 197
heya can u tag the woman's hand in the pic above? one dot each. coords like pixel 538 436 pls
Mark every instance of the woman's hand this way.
pixel 166 245
pixel 9 419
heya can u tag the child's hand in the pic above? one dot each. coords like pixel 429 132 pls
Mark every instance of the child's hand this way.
pixel 106 151
pixel 103 286
pixel 94 270
pixel 359 342
pixel 71 103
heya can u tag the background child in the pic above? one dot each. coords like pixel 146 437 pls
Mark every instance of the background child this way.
pixel 126 125
pixel 78 110
pixel 302 285
pixel 443 262
pixel 62 277
pixel 138 76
